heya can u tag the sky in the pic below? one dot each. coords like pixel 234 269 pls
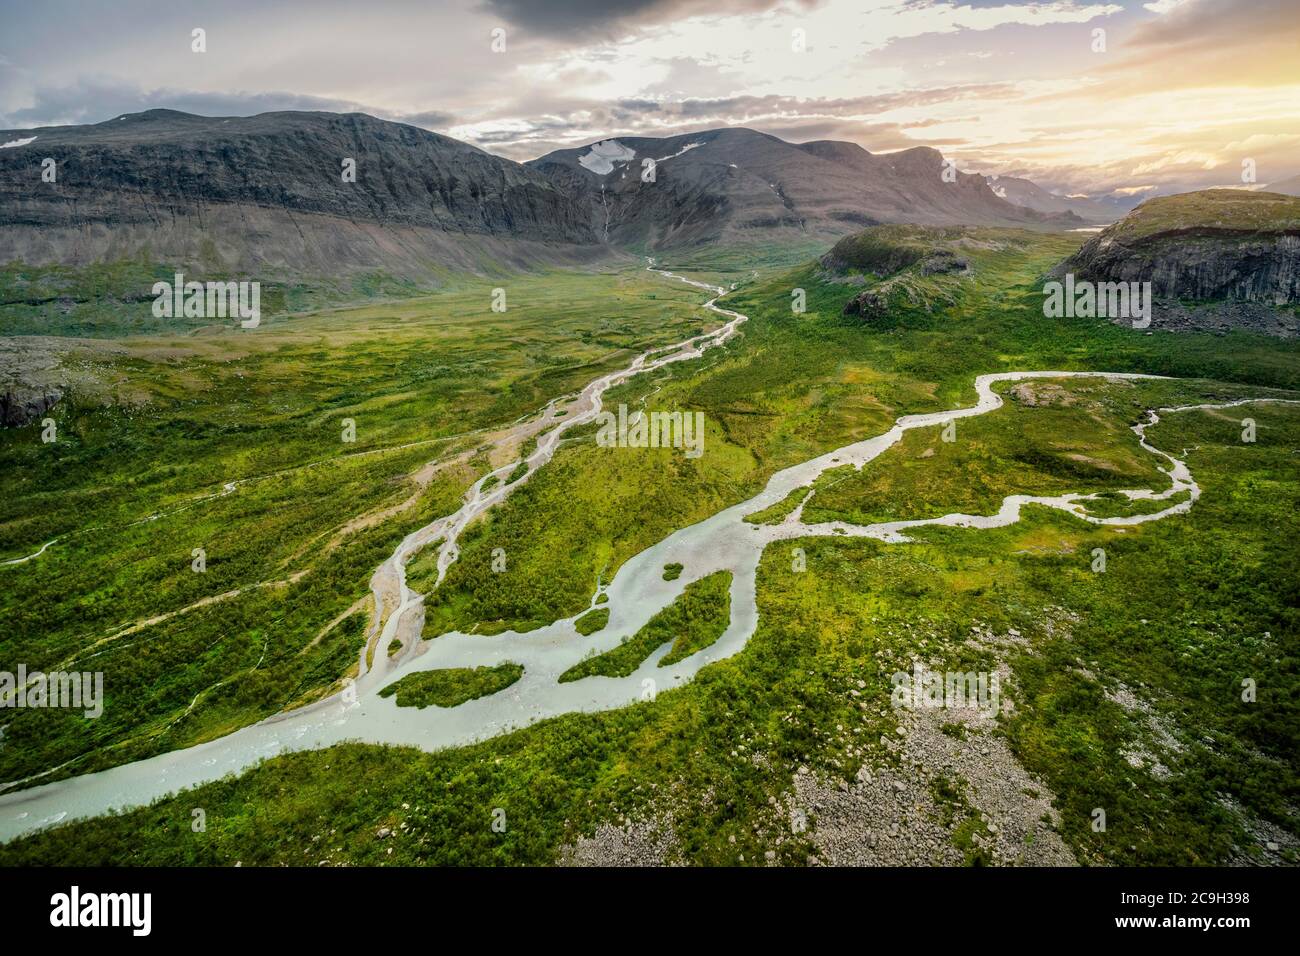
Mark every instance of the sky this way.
pixel 1116 98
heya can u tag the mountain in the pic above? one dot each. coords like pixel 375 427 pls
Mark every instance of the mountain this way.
pixel 1216 259
pixel 1289 187
pixel 266 192
pixel 1023 192
pixel 265 195
pixel 737 184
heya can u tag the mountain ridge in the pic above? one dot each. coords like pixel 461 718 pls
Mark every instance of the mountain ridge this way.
pixel 730 182
pixel 269 191
pixel 266 194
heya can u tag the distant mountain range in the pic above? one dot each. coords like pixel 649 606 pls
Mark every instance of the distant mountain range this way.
pixel 1289 187
pixel 738 184
pixel 1023 192
pixel 268 192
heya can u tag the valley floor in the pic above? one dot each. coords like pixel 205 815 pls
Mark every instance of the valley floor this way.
pixel 1121 688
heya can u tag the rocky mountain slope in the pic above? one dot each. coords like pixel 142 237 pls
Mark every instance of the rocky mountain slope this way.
pixel 737 184
pixel 1288 187
pixel 266 196
pixel 1024 192
pixel 267 192
pixel 1216 259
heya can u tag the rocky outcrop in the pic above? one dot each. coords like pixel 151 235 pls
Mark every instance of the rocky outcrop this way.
pixel 869 305
pixel 1200 264
pixel 20 407
pixel 890 258
pixel 1217 259
pixel 944 262
pixel 885 251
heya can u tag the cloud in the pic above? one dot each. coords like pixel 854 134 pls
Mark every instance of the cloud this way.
pixel 1213 42
pixel 565 124
pixel 733 109
pixel 1209 80
pixel 93 100
pixel 427 119
pixel 575 19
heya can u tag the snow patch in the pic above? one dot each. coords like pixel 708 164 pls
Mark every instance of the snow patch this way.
pixel 600 159
pixel 18 142
pixel 686 148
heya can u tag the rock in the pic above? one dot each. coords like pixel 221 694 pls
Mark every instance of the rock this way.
pixel 21 406
pixel 651 842
pixel 942 262
pixel 1217 259
pixel 869 305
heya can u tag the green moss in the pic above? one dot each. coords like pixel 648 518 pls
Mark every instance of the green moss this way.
pixel 422 569
pixel 157 425
pixel 1080 442
pixel 703 612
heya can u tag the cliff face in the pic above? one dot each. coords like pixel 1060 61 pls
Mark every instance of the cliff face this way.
pixel 270 189
pixel 1216 259
pixel 1205 264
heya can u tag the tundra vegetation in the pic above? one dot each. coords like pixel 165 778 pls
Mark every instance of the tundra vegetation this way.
pixel 694 621
pixel 211 524
pixel 451 686
pixel 1187 608
pixel 593 621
